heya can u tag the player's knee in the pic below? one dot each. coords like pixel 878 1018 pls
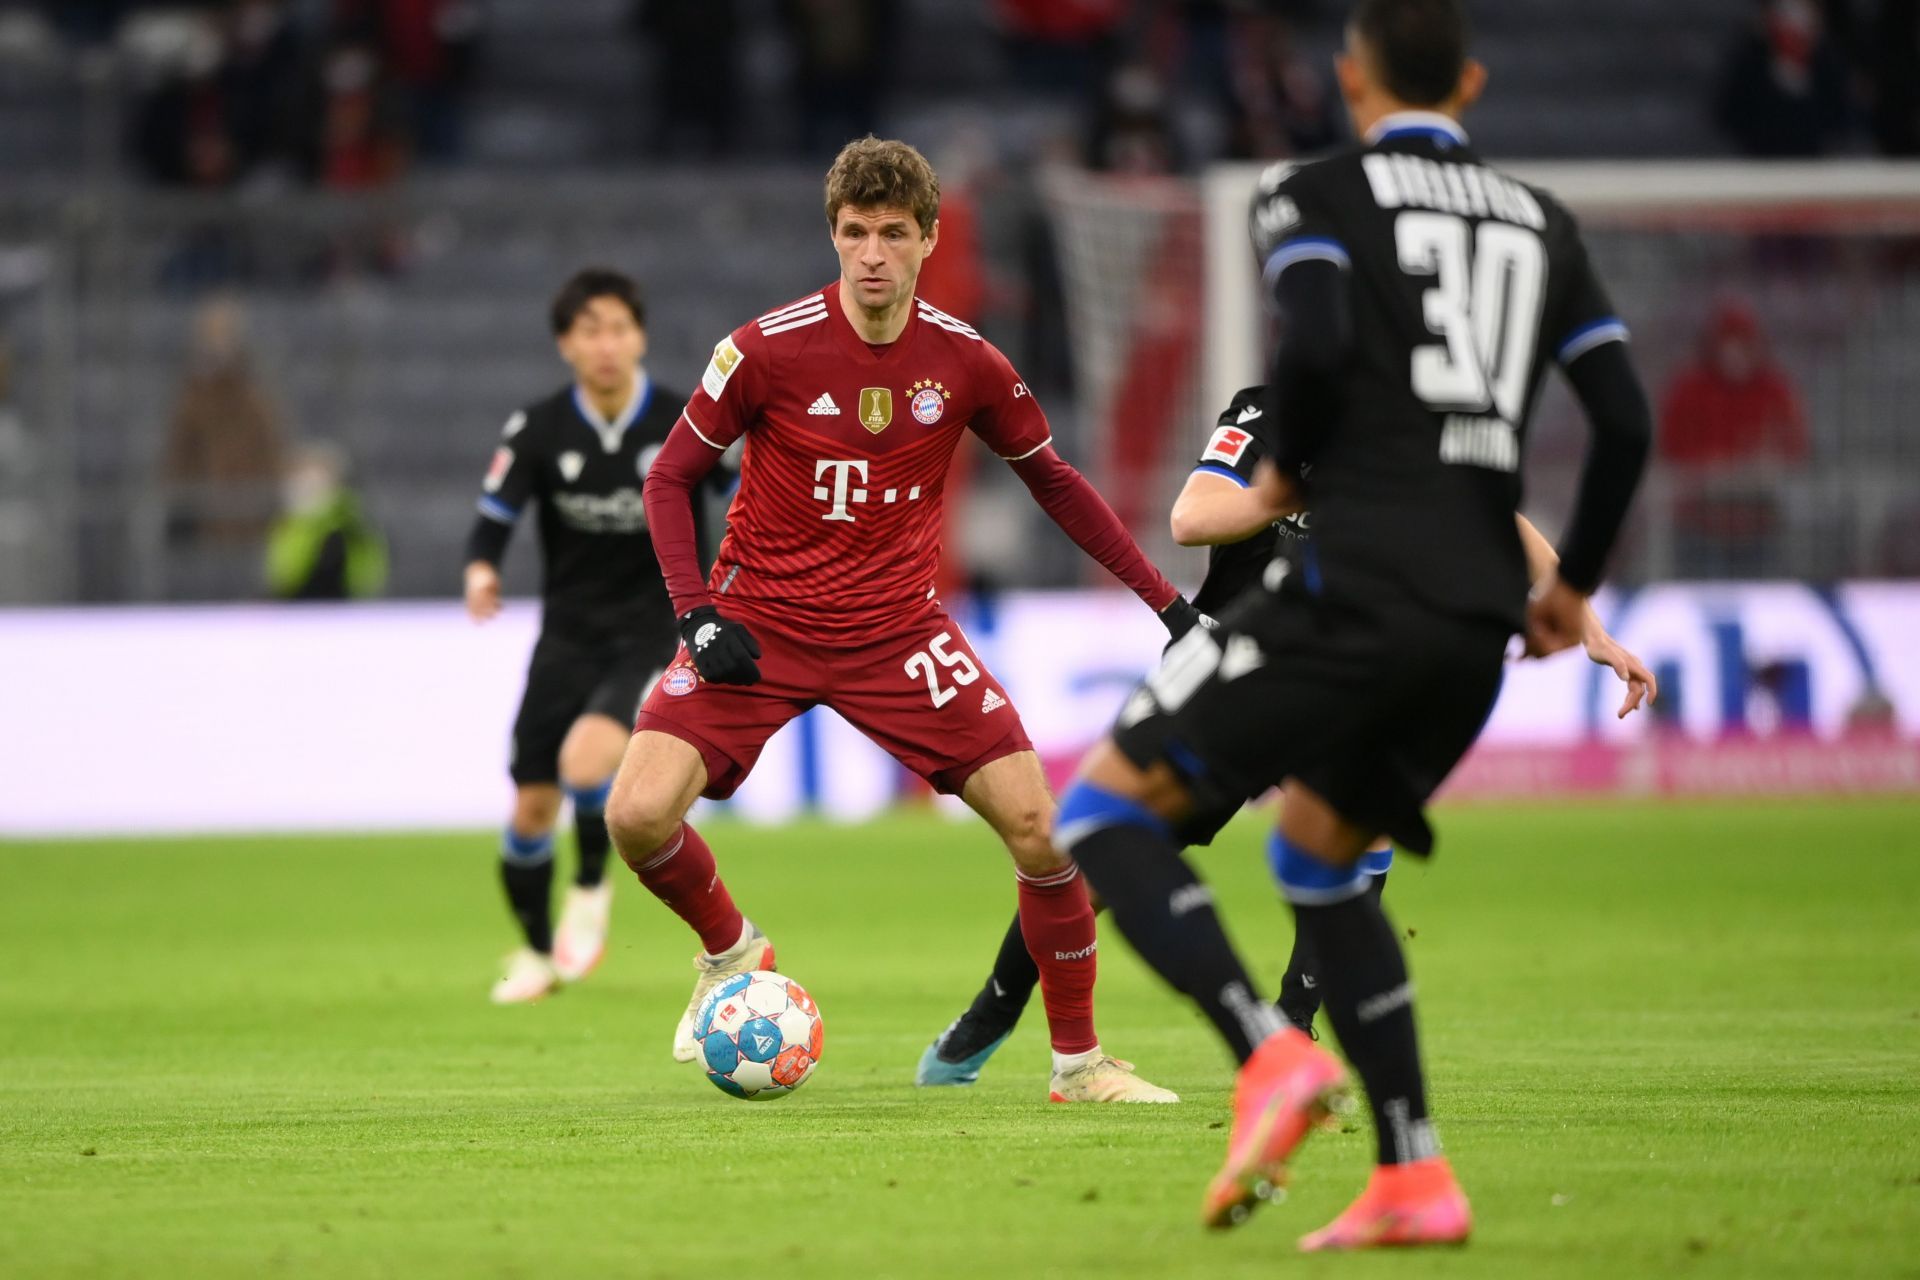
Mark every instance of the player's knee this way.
pixel 639 822
pixel 1029 838
pixel 1087 808
pixel 1309 879
pixel 535 809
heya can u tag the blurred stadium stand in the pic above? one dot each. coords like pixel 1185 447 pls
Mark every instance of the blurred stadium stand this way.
pixel 404 323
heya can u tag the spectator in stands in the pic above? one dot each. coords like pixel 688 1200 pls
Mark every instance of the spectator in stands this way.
pixel 184 131
pixel 1732 403
pixel 1133 123
pixel 696 49
pixel 355 143
pixel 842 52
pixel 223 459
pixel 1280 101
pixel 1061 48
pixel 323 547
pixel 1785 90
pixel 1729 421
pixel 425 52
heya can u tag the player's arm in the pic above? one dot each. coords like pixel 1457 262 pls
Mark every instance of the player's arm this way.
pixel 1220 502
pixel 1305 270
pixel 723 651
pixel 1592 352
pixel 1213 510
pixel 1015 428
pixel 503 496
pixel 1542 560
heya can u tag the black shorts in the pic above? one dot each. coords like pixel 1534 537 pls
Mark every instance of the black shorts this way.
pixel 1368 703
pixel 570 677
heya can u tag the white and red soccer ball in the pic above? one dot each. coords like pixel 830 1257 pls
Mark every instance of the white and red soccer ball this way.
pixel 760 1035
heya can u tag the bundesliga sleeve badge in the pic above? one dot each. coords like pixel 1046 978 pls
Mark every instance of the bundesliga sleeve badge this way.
pixel 1226 445
pixel 929 401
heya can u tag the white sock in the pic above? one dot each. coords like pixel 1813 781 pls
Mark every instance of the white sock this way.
pixel 746 932
pixel 1065 1062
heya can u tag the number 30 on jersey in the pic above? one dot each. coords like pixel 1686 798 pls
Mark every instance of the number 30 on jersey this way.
pixel 1489 286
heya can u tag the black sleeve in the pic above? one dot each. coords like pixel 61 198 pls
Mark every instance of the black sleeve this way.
pixel 1237 443
pixel 487 540
pixel 1315 316
pixel 1616 406
pixel 511 479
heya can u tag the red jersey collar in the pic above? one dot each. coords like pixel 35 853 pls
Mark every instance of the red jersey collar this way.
pixel 856 346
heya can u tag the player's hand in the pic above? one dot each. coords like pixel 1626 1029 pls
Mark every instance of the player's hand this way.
pixel 1181 617
pixel 1556 618
pixel 1642 688
pixel 483 591
pixel 1279 493
pixel 723 651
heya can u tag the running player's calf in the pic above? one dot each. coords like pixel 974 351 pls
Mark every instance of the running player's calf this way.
pixel 526 873
pixel 646 816
pixel 588 758
pixel 1117 821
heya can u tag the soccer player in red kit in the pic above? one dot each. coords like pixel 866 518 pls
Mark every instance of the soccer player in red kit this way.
pixel 852 401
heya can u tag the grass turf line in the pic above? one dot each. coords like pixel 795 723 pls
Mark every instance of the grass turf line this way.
pixel 1662 1040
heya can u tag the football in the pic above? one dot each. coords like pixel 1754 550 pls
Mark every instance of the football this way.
pixel 760 1035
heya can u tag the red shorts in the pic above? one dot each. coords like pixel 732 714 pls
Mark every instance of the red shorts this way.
pixel 919 691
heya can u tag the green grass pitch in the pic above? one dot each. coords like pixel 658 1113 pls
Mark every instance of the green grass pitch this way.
pixel 1661 1041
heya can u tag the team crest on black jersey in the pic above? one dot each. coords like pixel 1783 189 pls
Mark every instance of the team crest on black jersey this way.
pixel 571 464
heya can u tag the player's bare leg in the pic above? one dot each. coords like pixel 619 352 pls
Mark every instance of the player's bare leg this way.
pixel 526 872
pixel 1056 920
pixel 1117 820
pixel 1412 1197
pixel 589 755
pixel 658 782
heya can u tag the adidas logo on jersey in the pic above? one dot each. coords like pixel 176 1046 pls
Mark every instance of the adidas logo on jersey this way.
pixel 992 702
pixel 824 407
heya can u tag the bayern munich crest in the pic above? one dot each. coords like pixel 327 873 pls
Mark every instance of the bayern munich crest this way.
pixel 680 681
pixel 929 401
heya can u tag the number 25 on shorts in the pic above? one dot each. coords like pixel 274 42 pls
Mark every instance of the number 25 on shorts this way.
pixel 929 662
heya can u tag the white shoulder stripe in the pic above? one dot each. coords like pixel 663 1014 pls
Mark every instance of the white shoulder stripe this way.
pixel 933 315
pixel 793 322
pixel 811 300
pixel 1029 453
pixel 688 415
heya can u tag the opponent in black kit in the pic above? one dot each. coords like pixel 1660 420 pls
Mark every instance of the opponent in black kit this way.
pixel 1419 295
pixel 607 628
pixel 1221 509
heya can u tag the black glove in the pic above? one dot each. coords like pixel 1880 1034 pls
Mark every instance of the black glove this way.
pixel 1181 617
pixel 723 651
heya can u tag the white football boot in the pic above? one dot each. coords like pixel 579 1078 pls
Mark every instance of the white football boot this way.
pixel 1105 1079
pixel 580 941
pixel 752 952
pixel 529 976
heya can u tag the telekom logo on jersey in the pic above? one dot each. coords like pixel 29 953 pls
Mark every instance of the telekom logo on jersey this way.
pixel 840 492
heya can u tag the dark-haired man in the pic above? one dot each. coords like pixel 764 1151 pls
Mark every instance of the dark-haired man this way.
pixel 1419 295
pixel 851 401
pixel 606 627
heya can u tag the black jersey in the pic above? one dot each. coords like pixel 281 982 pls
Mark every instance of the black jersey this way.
pixel 599 575
pixel 1461 284
pixel 1241 438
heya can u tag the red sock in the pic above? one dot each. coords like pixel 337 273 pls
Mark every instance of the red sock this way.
pixel 1056 920
pixel 681 874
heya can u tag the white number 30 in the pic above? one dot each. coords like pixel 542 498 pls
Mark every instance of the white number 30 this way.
pixel 964 669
